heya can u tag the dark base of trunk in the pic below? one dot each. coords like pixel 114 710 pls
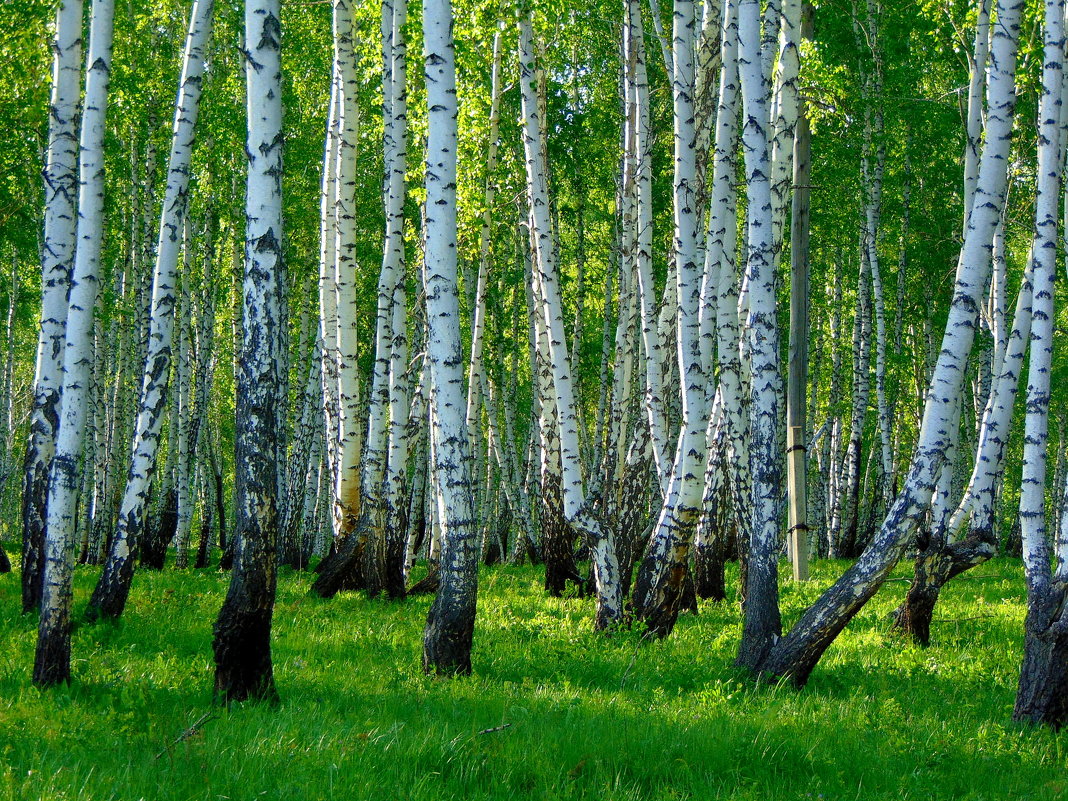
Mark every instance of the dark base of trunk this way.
pixel 560 566
pixel 1042 696
pixel 159 533
pixel 204 542
pixel 658 607
pixel 934 567
pixel 226 561
pixel 341 570
pixel 447 640
pixel 688 601
pixel 394 579
pixel 293 556
pixel 5 563
pixel 426 585
pixel 242 646
pixel 914 615
pixel 34 500
pixel 51 664
pixel 111 592
pixel 709 567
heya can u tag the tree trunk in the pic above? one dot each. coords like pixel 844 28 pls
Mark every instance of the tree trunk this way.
pixel 52 662
pixel 242 632
pixel 113 588
pixel 1042 696
pixel 552 343
pixel 57 257
pixel 450 624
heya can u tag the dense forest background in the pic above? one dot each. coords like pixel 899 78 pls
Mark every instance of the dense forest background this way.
pixel 889 90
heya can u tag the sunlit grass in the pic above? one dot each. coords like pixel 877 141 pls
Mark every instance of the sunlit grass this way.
pixel 587 716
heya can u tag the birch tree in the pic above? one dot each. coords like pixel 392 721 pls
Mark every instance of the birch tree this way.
pixel 1042 696
pixel 450 625
pixel 109 597
pixel 659 588
pixel 57 257
pixel 52 660
pixel 242 633
pixel 577 511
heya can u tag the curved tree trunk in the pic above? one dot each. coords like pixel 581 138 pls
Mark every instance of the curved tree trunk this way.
pixel 796 654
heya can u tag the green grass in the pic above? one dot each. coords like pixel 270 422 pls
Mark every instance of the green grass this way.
pixel 591 716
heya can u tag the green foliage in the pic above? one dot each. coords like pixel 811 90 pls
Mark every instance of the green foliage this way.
pixel 591 716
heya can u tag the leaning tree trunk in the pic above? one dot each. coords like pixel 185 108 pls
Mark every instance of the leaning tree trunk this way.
pixel 941 561
pixel 796 654
pixel 450 625
pixel 57 257
pixel 52 662
pixel 242 638
pixel 113 588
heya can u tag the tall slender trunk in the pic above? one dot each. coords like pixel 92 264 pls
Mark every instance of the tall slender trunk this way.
pixel 796 417
pixel 113 588
pixel 57 260
pixel 52 660
pixel 450 624
pixel 350 442
pixel 762 625
pixel 576 508
pixel 242 632
pixel 658 592
pixel 1042 696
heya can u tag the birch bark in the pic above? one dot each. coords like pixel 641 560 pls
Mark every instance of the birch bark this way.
pixel 52 660
pixel 57 258
pixel 113 588
pixel 242 632
pixel 450 625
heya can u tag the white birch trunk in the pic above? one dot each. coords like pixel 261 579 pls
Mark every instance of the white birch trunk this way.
pixel 576 509
pixel 328 284
pixel 1044 672
pixel 109 597
pixel 659 588
pixel 52 661
pixel 242 632
pixel 57 260
pixel 450 624
pixel 761 625
pixel 350 444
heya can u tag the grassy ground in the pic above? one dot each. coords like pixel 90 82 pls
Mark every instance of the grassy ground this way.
pixel 590 716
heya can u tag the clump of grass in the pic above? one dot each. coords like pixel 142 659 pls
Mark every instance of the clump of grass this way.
pixel 591 716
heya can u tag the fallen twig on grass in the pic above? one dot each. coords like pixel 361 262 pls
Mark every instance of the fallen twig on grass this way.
pixel 502 727
pixel 192 731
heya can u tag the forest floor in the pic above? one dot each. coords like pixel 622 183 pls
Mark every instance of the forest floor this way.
pixel 553 710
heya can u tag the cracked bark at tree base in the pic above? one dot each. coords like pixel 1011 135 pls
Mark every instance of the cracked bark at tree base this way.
pixel 1042 697
pixel 241 644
